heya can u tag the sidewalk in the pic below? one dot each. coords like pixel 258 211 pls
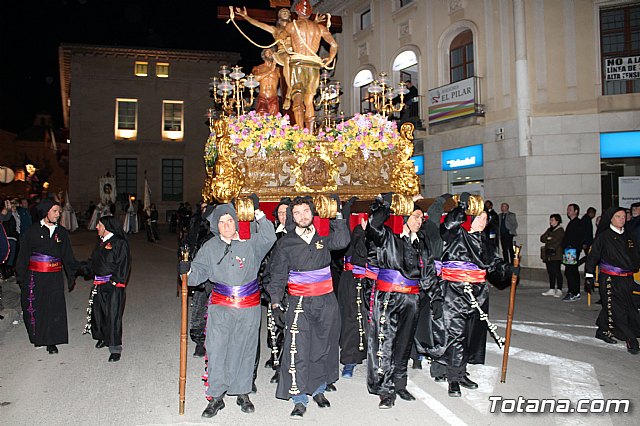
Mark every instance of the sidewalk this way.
pixel 11 302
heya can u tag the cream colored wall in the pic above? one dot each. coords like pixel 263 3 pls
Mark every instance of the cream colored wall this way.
pixel 96 83
pixel 568 112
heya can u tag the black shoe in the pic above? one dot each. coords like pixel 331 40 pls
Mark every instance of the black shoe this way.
pixel 275 378
pixel 417 364
pixel 212 409
pixel 605 337
pixel 114 357
pixel 100 344
pixel 440 379
pixel 321 400
pixel 331 388
pixel 454 389
pixel 246 406
pixel 298 411
pixel 269 363
pixel 387 401
pixel 200 351
pixel 632 346
pixel 405 394
pixel 254 389
pixel 466 382
pixel 52 349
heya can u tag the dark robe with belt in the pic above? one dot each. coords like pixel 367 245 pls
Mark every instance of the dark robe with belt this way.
pixel 316 360
pixel 387 373
pixel 618 256
pixel 465 333
pixel 110 263
pixel 44 308
pixel 354 293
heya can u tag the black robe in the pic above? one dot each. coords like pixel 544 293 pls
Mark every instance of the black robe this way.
pixel 44 308
pixel 353 346
pixel 465 333
pixel 316 361
pixel 620 250
pixel 386 374
pixel 110 257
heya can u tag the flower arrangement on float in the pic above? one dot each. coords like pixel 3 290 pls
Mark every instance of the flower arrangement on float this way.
pixel 258 134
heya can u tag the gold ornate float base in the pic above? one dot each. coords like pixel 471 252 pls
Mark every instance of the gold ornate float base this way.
pixel 309 170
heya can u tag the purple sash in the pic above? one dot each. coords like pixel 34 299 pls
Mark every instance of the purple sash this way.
pixel 394 277
pixel 238 290
pixel 310 277
pixel 605 268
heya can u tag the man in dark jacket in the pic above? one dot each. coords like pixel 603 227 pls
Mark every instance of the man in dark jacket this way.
pixel 574 238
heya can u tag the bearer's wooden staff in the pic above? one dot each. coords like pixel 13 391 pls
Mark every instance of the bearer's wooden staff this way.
pixel 512 302
pixel 183 333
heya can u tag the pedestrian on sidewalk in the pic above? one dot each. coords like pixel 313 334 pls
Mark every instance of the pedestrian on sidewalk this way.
pixel 552 254
pixel 574 238
pixel 44 250
pixel 109 264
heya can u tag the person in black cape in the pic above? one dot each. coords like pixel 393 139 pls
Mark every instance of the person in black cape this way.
pixel 406 268
pixel 300 263
pixel 109 264
pixel 44 250
pixel 468 261
pixel 618 256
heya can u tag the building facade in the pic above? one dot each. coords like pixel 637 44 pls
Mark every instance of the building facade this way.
pixel 134 113
pixel 517 98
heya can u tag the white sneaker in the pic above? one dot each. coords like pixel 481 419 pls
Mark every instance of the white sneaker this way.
pixel 550 292
pixel 558 293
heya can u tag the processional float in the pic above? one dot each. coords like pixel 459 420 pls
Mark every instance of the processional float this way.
pixel 251 152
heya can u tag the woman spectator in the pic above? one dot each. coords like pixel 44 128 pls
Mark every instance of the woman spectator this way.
pixel 552 254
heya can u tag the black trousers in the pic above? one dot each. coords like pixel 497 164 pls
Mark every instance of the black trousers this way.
pixel 507 247
pixel 388 374
pixel 555 275
pixel 573 278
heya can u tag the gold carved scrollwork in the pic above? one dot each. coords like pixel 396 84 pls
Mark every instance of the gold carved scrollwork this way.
pixel 403 177
pixel 326 207
pixel 475 205
pixel 244 209
pixel 227 179
pixel 314 170
pixel 402 205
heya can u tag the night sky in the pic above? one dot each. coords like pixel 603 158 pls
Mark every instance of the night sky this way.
pixel 31 31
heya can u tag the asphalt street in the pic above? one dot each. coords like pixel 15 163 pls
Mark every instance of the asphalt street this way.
pixel 553 355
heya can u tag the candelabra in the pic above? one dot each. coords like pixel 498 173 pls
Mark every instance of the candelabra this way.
pixel 228 90
pixel 329 98
pixel 383 95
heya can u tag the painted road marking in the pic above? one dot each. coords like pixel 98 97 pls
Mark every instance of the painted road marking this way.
pixel 591 341
pixel 434 405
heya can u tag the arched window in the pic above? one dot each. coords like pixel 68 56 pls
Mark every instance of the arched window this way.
pixel 361 82
pixel 461 57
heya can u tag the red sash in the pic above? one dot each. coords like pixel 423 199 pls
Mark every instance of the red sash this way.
pixel 54 266
pixel 388 287
pixel 235 302
pixel 464 276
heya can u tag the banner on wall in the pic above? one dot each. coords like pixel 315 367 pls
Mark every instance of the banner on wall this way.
pixel 629 189
pixel 627 68
pixel 452 101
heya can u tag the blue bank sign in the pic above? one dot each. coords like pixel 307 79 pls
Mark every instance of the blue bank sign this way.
pixel 462 158
pixel 418 162
pixel 620 145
